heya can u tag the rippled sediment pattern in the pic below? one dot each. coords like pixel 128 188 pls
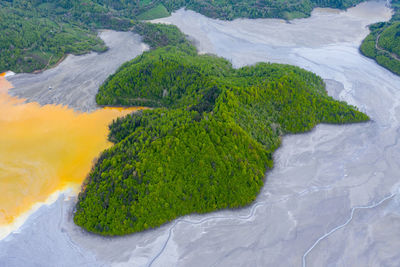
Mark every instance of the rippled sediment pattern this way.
pixel 44 149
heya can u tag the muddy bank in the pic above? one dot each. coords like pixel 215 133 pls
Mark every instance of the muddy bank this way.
pixel 75 81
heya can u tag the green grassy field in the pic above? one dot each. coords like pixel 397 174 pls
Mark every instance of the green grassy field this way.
pixel 156 12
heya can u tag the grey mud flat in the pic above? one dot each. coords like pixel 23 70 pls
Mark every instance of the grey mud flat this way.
pixel 75 81
pixel 332 198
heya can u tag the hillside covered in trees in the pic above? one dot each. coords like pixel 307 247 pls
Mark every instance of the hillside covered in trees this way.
pixel 383 43
pixel 209 142
pixel 228 9
pixel 36 34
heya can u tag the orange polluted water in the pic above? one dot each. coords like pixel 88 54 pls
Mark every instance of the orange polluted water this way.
pixel 44 149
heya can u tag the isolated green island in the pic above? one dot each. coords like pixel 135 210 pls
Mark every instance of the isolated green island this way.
pixel 208 141
pixel 383 43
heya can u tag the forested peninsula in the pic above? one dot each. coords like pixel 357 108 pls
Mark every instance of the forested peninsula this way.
pixel 383 43
pixel 208 141
pixel 37 34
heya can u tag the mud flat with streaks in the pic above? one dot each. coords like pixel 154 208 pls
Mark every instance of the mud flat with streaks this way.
pixel 332 198
pixel 75 81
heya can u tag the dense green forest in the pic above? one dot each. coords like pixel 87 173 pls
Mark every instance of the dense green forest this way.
pixel 209 142
pixel 37 43
pixel 158 35
pixel 36 34
pixel 383 43
pixel 230 9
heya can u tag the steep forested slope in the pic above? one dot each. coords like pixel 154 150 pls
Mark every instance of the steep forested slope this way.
pixel 383 43
pixel 389 39
pixel 228 9
pixel 209 144
pixel 37 34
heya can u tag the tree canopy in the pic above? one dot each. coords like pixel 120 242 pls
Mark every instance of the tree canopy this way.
pixel 383 43
pixel 207 145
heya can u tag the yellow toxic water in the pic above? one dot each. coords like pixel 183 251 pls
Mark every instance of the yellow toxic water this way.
pixel 45 149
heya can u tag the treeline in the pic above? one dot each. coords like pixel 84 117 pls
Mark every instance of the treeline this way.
pixel 36 34
pixel 37 43
pixel 159 35
pixel 208 146
pixel 182 77
pixel 228 9
pixel 383 42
